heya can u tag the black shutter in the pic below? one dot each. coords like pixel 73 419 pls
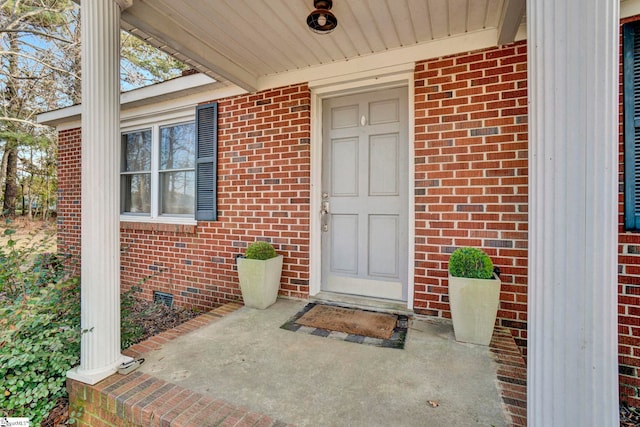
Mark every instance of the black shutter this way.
pixel 206 161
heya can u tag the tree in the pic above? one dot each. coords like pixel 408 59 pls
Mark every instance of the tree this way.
pixel 142 64
pixel 34 35
pixel 40 70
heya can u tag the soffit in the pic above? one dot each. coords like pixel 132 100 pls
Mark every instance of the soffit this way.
pixel 241 41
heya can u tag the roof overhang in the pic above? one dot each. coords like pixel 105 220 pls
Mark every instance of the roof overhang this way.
pixel 194 88
pixel 255 43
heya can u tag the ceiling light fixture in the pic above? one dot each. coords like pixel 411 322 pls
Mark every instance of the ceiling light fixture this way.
pixel 321 20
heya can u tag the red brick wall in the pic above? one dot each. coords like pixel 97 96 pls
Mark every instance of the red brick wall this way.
pixel 69 193
pixel 471 174
pixel 628 285
pixel 470 151
pixel 263 193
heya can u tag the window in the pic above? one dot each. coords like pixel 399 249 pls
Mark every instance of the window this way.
pixel 169 170
pixel 631 81
pixel 173 174
pixel 177 169
pixel 136 172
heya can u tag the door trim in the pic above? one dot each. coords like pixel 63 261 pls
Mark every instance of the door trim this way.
pixel 321 90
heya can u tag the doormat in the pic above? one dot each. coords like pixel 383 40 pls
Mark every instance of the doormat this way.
pixel 351 325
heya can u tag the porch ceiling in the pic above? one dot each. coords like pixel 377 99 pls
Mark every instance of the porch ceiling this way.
pixel 241 41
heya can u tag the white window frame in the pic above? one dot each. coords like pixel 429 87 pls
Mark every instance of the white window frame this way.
pixel 154 122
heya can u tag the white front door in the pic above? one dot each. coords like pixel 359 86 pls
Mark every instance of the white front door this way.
pixel 364 194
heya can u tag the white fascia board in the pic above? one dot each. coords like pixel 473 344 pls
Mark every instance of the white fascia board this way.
pixel 629 8
pixel 175 93
pixel 165 89
pixel 434 49
pixel 60 116
pixel 173 108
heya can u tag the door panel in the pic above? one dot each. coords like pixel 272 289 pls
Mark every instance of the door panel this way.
pixel 344 167
pixel 364 179
pixel 387 111
pixel 383 254
pixel 344 235
pixel 346 116
pixel 383 165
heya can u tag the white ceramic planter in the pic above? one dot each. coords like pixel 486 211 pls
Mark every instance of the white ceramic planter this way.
pixel 259 281
pixel 474 307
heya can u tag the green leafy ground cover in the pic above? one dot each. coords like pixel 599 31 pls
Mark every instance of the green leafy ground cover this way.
pixel 40 326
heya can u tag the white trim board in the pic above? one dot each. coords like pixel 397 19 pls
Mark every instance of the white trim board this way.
pixel 167 96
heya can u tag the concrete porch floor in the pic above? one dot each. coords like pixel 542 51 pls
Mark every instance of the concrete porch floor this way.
pixel 263 375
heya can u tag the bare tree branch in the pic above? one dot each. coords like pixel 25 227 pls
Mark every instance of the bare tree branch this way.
pixel 28 122
pixel 36 33
pixel 36 60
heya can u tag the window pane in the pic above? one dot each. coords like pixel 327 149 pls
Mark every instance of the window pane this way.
pixel 177 190
pixel 136 149
pixel 177 146
pixel 137 193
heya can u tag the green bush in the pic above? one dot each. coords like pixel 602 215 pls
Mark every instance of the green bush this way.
pixel 471 263
pixel 260 250
pixel 39 329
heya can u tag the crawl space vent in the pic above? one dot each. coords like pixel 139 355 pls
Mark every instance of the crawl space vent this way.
pixel 163 298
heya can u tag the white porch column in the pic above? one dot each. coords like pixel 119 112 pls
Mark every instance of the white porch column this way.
pixel 100 318
pixel 573 211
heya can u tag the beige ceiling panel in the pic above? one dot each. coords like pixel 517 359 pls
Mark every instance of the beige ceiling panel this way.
pixel 367 25
pixel 244 40
pixel 477 15
pixel 458 16
pixel 401 17
pixel 439 15
pixel 494 13
pixel 421 19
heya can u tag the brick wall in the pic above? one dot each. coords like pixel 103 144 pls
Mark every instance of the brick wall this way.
pixel 471 174
pixel 471 186
pixel 263 193
pixel 69 193
pixel 628 285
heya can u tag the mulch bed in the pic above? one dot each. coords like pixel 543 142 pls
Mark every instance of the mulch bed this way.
pixel 154 318
pixel 629 416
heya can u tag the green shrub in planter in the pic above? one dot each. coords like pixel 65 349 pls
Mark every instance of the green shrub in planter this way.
pixel 472 263
pixel 474 295
pixel 260 250
pixel 259 273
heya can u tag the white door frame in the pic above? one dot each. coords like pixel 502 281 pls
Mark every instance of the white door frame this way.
pixel 397 76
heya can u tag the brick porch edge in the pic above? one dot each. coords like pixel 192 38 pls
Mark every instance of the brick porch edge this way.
pixel 142 400
pixel 512 376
